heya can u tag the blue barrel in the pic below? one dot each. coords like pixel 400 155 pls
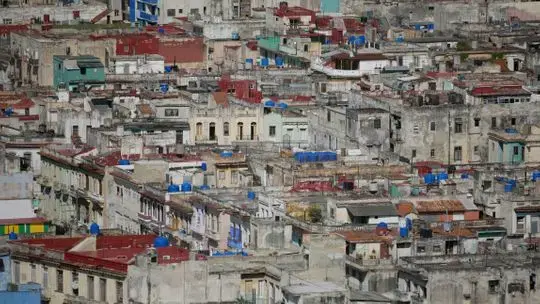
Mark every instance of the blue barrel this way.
pixel 442 176
pixel 168 69
pixel 312 157
pixel 431 26
pixel 351 39
pixel 382 225
pixel 360 40
pixel 173 188
pixel 249 60
pixel 269 104
pixel 13 236
pixel 205 187
pixel 513 182
pixel 535 176
pixel 123 162
pixel 403 232
pixel 235 36
pixel 160 242
pixel 251 195
pixel 186 187
pixel 508 187
pixel 409 223
pixel 279 61
pixel 464 175
pixel 429 179
pixel 94 229
pixel 265 62
pixel 282 105
pixel 204 166
pixel 164 87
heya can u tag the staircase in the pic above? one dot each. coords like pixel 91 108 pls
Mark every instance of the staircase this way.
pixel 100 16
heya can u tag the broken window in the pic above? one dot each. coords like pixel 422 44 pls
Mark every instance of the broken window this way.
pixel 493 286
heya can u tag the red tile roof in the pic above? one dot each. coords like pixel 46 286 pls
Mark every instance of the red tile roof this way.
pixel 500 91
pixel 405 208
pixel 221 98
pixel 440 206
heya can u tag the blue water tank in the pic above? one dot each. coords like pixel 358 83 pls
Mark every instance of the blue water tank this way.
pixel 123 162
pixel 161 30
pixel 352 39
pixel 269 104
pixel 251 195
pixel 282 105
pixel 400 39
pixel 279 61
pixel 312 157
pixel 173 188
pixel 403 232
pixel 431 26
pixel 8 111
pixel 204 166
pixel 513 182
pixel 235 36
pixel 323 156
pixel 94 229
pixel 265 62
pixel 417 27
pixel 161 242
pixel 361 40
pixel 168 69
pixel 300 156
pixel 442 176
pixel 535 176
pixel 12 236
pixel 508 187
pixel 464 175
pixel 186 187
pixel 429 179
pixel 226 154
pixel 409 223
pixel 205 187
pixel 249 60
pixel 164 87
pixel 382 225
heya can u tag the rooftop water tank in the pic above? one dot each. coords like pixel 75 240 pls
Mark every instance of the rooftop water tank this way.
pixel 312 157
pixel 94 229
pixel 429 179
pixel 403 232
pixel 279 61
pixel 251 195
pixel 204 166
pixel 186 187
pixel 282 105
pixel 373 187
pixel 269 104
pixel 160 242
pixel 173 188
pixel 226 154
pixel 205 187
pixel 265 62
pixel 12 236
pixel 382 225
pixel 508 187
pixel 164 87
pixel 123 162
pixel 535 176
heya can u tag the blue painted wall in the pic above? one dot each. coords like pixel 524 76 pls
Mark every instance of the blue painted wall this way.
pixel 5 275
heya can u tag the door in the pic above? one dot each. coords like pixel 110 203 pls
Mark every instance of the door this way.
pixel 212 131
pixel 240 131
pixel 253 130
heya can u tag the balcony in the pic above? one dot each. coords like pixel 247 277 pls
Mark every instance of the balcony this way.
pixel 148 17
pixel 205 139
pixel 144 218
pixel 247 138
pixel 329 71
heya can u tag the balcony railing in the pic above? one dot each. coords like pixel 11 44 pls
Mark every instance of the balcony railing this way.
pixel 205 139
pixel 248 137
pixel 148 17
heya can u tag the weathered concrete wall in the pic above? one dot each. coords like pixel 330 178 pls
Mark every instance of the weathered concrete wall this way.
pixel 269 234
pixel 16 186
pixel 326 259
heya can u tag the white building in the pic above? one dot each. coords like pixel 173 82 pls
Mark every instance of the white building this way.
pixel 139 64
pixel 286 127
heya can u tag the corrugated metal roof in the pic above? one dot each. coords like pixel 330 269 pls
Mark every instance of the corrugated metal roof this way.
pixel 380 209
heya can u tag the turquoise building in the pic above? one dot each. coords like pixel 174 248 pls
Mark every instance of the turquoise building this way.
pixel 506 147
pixel 74 72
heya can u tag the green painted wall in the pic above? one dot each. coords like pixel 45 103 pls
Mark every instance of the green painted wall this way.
pixel 73 77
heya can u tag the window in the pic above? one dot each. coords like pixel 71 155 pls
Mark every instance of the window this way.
pixel 328 116
pixel 457 153
pixel 60 281
pixel 171 12
pixel 102 289
pixel 493 286
pixel 16 272
pixel 2 267
pixel 420 249
pixel 234 177
pixel 476 149
pixel 83 71
pixel 33 273
pixel 413 154
pixel 204 10
pixel 432 126
pixel 377 123
pixel 458 125
pixel 116 13
pixel 513 121
pixel 432 153
pixel 493 122
pixel 171 112
pixel 225 129
pixel 516 150
pixel 119 292
pixel 8 21
pixel 180 11
pixel 477 122
pixel 45 282
pixel 306 48
pixel 75 130
pixel 221 175
pixel 194 11
pixel 90 287
pixel 75 283
pixel 198 129
pixel 436 248
pixel 272 131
